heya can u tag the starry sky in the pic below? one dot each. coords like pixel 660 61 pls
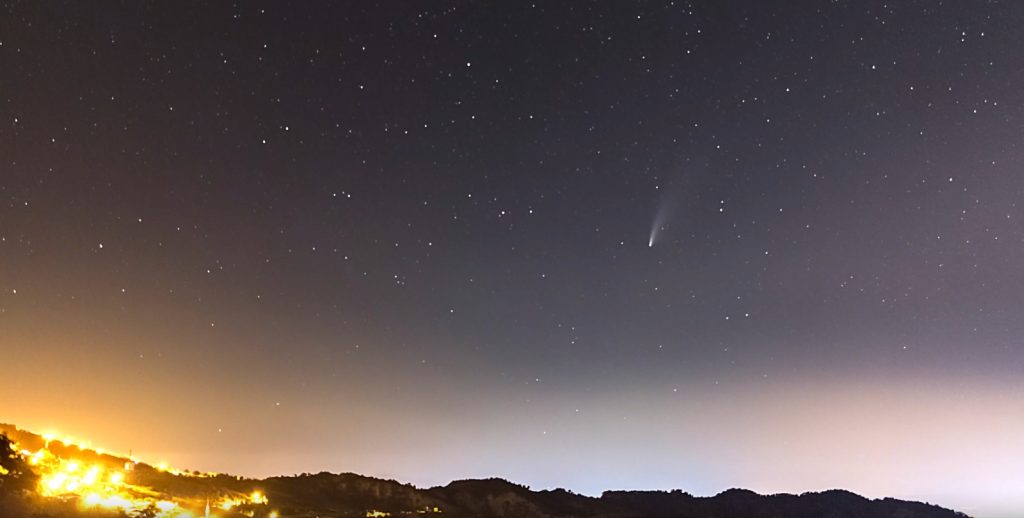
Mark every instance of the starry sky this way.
pixel 594 245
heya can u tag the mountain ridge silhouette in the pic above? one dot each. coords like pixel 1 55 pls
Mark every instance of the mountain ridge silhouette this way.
pixel 327 494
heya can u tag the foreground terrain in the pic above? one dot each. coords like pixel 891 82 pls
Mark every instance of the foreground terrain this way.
pixel 46 477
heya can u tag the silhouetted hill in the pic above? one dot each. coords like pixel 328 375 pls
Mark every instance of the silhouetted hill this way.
pixel 351 495
pixel 742 503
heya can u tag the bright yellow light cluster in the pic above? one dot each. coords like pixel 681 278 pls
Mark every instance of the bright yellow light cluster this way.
pixel 94 486
pixel 184 473
pixel 228 503
pixel 97 485
pixel 255 498
pixel 69 441
pixel 62 476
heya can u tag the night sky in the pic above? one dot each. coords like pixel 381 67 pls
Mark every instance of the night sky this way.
pixel 774 245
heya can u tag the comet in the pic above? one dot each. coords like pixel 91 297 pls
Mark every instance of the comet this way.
pixel 668 200
pixel 665 209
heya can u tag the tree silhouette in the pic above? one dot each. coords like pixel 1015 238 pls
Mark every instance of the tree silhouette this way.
pixel 15 473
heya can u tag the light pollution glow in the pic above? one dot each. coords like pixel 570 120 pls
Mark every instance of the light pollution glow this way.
pixel 938 443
